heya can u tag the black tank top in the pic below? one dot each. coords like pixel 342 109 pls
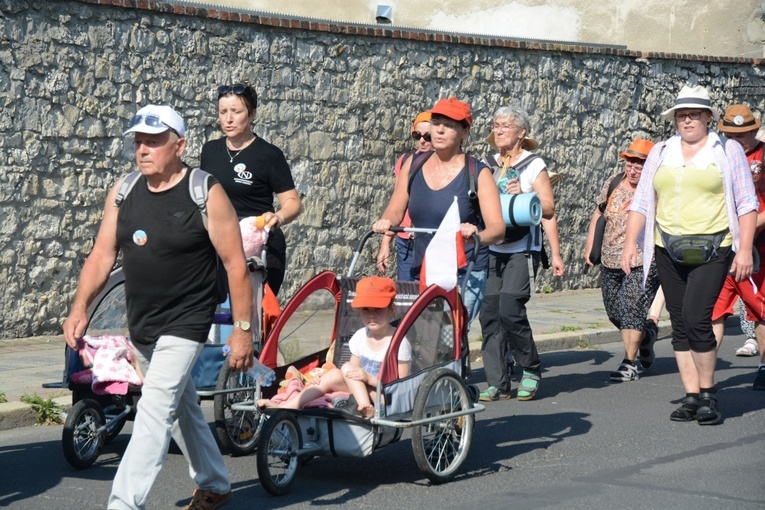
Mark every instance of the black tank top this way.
pixel 169 264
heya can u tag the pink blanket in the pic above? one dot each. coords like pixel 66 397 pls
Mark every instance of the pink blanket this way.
pixel 295 386
pixel 110 364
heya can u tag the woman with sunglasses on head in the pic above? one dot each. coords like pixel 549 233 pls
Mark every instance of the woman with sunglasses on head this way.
pixel 251 172
pixel 696 208
pixel 405 241
pixel 438 177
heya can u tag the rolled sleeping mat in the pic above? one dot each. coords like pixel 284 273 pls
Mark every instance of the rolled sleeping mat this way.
pixel 522 210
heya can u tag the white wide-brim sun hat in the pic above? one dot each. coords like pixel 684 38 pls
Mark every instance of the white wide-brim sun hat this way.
pixel 696 97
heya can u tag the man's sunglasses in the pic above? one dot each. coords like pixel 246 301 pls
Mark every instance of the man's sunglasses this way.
pixel 151 121
pixel 417 135
pixel 236 89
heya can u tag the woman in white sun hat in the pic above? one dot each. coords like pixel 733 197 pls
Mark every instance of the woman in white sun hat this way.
pixel 696 208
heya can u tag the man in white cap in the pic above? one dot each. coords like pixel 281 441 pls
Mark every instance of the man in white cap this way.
pixel 740 124
pixel 168 256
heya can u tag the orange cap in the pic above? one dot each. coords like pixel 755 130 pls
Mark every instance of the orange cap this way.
pixel 638 149
pixel 454 109
pixel 374 292
pixel 422 117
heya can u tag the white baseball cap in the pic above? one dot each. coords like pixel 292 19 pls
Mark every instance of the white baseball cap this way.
pixel 154 119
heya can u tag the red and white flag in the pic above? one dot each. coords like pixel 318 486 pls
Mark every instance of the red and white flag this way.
pixel 445 253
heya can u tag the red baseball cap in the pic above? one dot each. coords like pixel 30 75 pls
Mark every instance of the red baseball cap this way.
pixel 374 292
pixel 454 109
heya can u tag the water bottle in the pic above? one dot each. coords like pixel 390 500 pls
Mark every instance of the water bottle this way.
pixel 261 373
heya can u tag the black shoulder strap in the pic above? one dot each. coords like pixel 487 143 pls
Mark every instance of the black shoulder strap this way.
pixel 611 187
pixel 418 160
pixel 472 165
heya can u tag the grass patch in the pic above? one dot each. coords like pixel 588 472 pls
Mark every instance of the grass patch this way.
pixel 3 398
pixel 569 328
pixel 547 290
pixel 584 344
pixel 48 412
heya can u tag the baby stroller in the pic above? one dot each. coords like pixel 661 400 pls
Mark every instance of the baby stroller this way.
pixel 95 418
pixel 434 400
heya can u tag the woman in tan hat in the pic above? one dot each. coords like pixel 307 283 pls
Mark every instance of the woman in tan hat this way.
pixel 696 209
pixel 438 177
pixel 739 124
pixel 504 323
pixel 624 298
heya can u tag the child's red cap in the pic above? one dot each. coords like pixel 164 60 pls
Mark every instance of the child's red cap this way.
pixel 374 292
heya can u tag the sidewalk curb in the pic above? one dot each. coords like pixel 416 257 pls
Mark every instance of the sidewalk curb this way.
pixel 18 414
pixel 584 339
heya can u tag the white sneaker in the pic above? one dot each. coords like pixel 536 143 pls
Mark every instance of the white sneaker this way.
pixel 625 372
pixel 749 348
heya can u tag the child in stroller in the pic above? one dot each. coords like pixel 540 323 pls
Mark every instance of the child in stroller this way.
pixel 374 300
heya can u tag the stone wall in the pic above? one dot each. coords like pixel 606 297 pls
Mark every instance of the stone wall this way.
pixel 338 99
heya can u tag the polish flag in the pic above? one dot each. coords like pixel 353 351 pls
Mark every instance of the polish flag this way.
pixel 445 253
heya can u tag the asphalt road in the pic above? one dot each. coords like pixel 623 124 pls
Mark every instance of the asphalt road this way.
pixel 586 443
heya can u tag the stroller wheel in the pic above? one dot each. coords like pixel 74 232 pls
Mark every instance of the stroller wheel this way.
pixel 81 441
pixel 278 460
pixel 237 431
pixel 440 447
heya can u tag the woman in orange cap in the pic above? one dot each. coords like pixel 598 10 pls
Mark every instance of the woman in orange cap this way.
pixel 438 177
pixel 626 302
pixel 404 241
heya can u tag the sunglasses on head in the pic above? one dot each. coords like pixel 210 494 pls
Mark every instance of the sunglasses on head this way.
pixel 236 89
pixel 151 121
pixel 417 135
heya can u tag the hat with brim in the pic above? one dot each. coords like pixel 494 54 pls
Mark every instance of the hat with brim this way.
pixel 154 119
pixel 528 143
pixel 738 119
pixel 454 109
pixel 374 292
pixel 691 98
pixel 638 149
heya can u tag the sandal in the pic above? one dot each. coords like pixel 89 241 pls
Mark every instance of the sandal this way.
pixel 708 412
pixel 687 410
pixel 529 385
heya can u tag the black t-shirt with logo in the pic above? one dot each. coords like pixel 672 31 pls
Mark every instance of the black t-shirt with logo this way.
pixel 250 180
pixel 256 173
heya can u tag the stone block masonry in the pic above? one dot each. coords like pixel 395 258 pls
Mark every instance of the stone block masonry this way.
pixel 338 100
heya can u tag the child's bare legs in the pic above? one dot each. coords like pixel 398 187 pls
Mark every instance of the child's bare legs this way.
pixel 329 382
pixel 355 380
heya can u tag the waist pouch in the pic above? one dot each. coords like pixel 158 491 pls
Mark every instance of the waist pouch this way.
pixel 692 250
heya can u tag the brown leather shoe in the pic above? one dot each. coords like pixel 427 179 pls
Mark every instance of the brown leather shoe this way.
pixel 207 500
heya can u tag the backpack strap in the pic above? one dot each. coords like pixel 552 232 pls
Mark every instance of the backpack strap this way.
pixel 418 160
pixel 126 186
pixel 198 180
pixel 198 191
pixel 611 187
pixel 525 162
pixel 472 165
pixel 492 162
